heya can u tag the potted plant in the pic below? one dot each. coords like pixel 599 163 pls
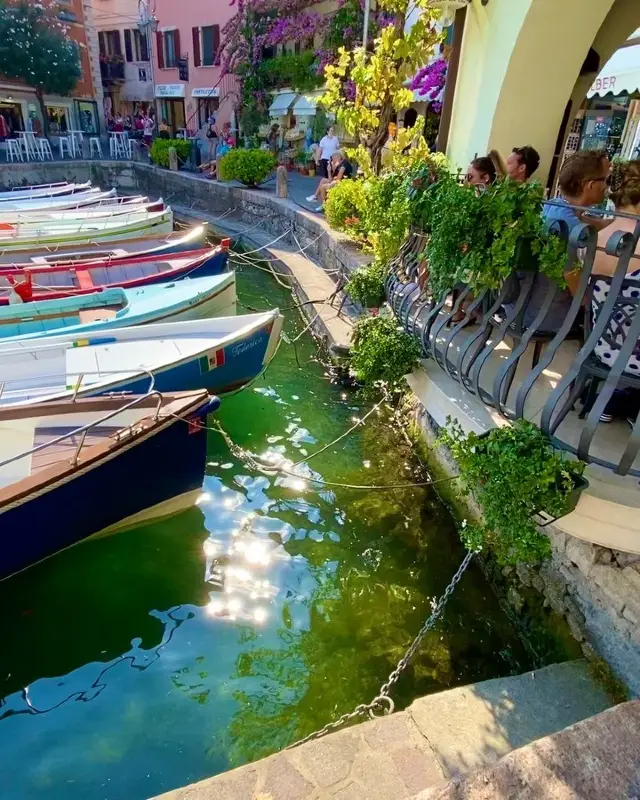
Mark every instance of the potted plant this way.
pixel 518 479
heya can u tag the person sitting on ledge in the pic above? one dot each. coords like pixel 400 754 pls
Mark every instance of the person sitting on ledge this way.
pixel 341 168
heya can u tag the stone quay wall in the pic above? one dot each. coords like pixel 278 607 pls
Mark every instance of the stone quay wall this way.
pixel 595 589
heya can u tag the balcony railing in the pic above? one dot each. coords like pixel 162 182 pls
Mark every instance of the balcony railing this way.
pixel 561 379
pixel 112 71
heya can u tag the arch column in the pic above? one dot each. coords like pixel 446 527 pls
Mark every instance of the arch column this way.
pixel 519 66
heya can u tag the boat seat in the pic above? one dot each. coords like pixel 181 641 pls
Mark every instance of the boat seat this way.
pixel 85 280
pixel 96 315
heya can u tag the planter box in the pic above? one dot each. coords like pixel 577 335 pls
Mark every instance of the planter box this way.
pixel 543 519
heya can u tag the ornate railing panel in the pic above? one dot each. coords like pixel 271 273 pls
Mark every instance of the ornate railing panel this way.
pixel 484 346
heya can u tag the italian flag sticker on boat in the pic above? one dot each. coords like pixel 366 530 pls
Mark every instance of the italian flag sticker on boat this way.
pixel 212 360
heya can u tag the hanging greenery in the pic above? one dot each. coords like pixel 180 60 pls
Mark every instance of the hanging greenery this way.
pixel 382 352
pixel 513 472
pixel 366 285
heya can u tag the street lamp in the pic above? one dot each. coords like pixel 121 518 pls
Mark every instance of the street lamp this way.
pixel 448 9
pixel 148 25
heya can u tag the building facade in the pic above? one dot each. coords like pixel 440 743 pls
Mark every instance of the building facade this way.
pixel 189 85
pixel 79 111
pixel 126 72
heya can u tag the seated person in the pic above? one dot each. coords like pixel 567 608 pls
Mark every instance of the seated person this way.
pixel 521 163
pixel 582 182
pixel 625 193
pixel 341 168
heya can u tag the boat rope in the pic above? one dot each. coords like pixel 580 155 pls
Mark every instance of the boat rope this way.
pixel 383 702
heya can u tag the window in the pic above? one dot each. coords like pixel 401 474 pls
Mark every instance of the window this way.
pixel 210 45
pixel 109 43
pixel 170 49
pixel 135 46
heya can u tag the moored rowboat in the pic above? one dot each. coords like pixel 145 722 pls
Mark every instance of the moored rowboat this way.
pixel 175 242
pixel 70 470
pixel 104 310
pixel 42 190
pixel 215 354
pixel 50 283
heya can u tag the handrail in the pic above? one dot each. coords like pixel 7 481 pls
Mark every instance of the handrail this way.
pixel 84 428
pixel 463 350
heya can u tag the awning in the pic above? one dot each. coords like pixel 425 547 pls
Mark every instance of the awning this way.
pixel 621 73
pixel 306 104
pixel 139 92
pixel 282 103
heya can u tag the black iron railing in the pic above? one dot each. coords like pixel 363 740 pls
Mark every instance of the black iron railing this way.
pixel 499 346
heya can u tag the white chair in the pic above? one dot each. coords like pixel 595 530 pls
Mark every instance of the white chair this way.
pixel 95 144
pixel 29 145
pixel 76 143
pixel 14 150
pixel 44 149
pixel 65 144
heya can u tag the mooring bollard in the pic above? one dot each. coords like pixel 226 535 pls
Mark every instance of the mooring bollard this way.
pixel 173 159
pixel 281 182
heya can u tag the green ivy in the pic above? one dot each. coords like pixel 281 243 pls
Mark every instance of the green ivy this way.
pixel 291 70
pixel 159 152
pixel 250 167
pixel 479 239
pixel 382 352
pixel 387 214
pixel 366 285
pixel 513 472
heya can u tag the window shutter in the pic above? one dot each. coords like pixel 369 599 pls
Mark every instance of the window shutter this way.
pixel 128 52
pixel 117 42
pixel 196 47
pixel 216 44
pixel 144 47
pixel 160 49
pixel 101 47
pixel 176 44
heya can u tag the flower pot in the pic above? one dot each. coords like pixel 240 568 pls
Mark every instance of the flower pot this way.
pixel 312 172
pixel 543 518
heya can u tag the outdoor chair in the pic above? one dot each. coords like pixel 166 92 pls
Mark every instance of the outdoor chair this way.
pixel 14 150
pixel 44 149
pixel 64 143
pixel 95 145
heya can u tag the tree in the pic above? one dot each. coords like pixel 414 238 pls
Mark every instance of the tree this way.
pixel 367 88
pixel 35 47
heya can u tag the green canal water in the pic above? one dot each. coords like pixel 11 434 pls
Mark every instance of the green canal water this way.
pixel 121 674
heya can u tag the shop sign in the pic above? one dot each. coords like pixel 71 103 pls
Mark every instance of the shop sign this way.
pixel 170 90
pixel 205 91
pixel 606 84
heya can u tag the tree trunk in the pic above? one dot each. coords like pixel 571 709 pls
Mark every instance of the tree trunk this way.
pixel 43 110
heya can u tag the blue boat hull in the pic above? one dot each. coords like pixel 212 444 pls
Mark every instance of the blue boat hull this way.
pixel 169 463
pixel 223 370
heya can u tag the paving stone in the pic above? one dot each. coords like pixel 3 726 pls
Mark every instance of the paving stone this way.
pixel 329 760
pixel 417 770
pixel 378 775
pixel 386 732
pixel 351 792
pixel 240 783
pixel 284 782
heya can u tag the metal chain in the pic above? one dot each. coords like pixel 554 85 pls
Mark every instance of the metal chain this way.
pixel 383 699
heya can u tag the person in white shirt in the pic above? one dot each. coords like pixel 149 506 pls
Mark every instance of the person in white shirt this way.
pixel 329 144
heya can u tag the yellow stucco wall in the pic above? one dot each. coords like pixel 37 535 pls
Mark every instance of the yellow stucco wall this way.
pixel 519 65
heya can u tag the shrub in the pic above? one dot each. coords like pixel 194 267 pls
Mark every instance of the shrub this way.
pixel 387 214
pixel 250 167
pixel 160 151
pixel 382 352
pixel 366 285
pixel 513 472
pixel 346 206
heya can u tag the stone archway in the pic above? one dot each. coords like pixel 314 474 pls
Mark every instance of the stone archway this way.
pixel 521 62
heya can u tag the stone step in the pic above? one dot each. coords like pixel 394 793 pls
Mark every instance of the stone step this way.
pixel 437 738
pixel 596 758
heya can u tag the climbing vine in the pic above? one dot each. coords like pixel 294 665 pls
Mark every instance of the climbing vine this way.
pixel 513 472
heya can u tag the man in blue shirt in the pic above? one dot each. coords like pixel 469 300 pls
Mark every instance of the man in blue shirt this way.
pixel 582 182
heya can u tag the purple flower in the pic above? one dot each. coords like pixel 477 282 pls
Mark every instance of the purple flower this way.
pixel 349 90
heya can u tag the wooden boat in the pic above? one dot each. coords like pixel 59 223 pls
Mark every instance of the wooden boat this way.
pixel 175 242
pixel 125 211
pixel 219 355
pixel 52 283
pixel 42 190
pixel 116 308
pixel 77 200
pixel 26 236
pixel 70 470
